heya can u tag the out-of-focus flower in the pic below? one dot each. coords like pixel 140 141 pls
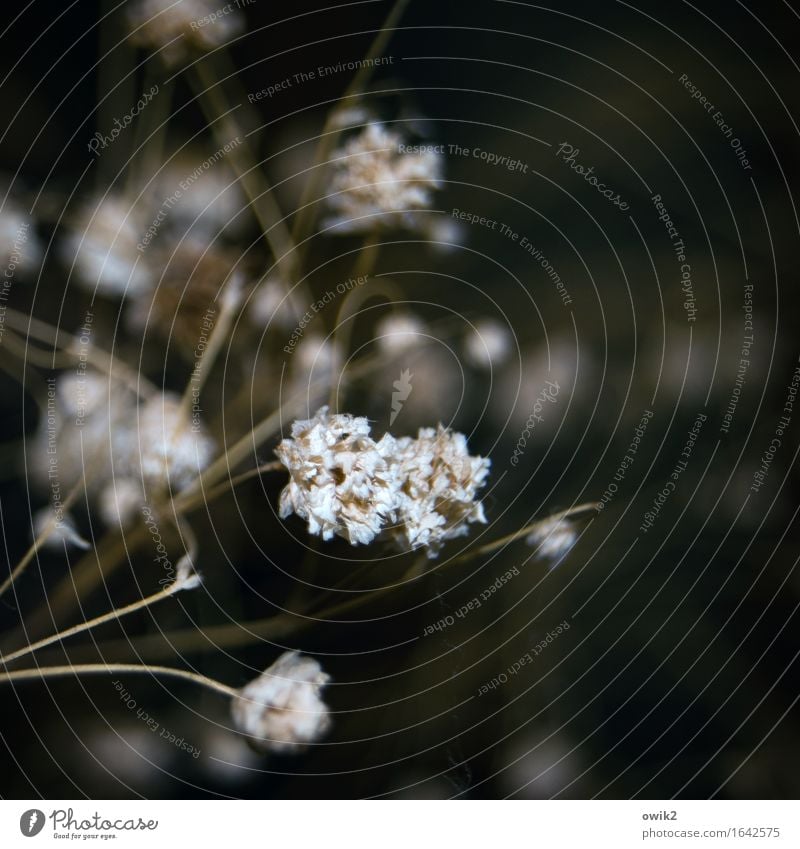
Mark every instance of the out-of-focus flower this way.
pixel 20 248
pixel 204 197
pixel 399 332
pixel 554 538
pixel 340 482
pixel 438 483
pixel 444 233
pixel 86 422
pixel 171 449
pixel 103 247
pixel 120 500
pixel 274 305
pixel 183 305
pixel 176 26
pixel 60 527
pixel 282 711
pixel 378 183
pixel 487 344
pixel 422 491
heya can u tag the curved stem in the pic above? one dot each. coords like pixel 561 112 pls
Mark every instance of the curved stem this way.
pixel 111 616
pixel 105 668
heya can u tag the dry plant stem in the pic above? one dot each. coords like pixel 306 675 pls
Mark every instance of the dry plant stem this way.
pixel 229 307
pixel 330 136
pixel 112 616
pixel 90 571
pixel 217 112
pixel 114 368
pixel 118 669
pixel 223 487
pixel 266 428
pixel 42 538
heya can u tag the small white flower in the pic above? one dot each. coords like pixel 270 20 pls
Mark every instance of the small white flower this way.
pixel 553 538
pixel 60 528
pixel 377 184
pixel 102 246
pixel 488 344
pixel 438 483
pixel 281 711
pixel 340 482
pixel 399 332
pixel 178 25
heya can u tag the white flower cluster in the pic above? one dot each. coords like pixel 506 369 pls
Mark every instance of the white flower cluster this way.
pixel 342 482
pixel 378 183
pixel 173 26
pixel 282 711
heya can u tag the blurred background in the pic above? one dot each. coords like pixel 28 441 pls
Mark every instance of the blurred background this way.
pixel 677 675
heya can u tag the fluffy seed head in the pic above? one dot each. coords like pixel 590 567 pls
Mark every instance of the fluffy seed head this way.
pixel 282 711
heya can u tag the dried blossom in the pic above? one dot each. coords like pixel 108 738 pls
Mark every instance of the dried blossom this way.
pixel 422 491
pixel 281 711
pixel 340 481
pixel 438 482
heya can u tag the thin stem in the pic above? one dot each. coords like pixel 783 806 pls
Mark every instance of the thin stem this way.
pixel 117 668
pixel 96 566
pixel 215 492
pixel 231 299
pixel 217 111
pixel 113 615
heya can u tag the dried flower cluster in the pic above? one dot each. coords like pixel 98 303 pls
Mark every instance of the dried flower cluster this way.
pixel 342 482
pixel 377 183
pixel 282 711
